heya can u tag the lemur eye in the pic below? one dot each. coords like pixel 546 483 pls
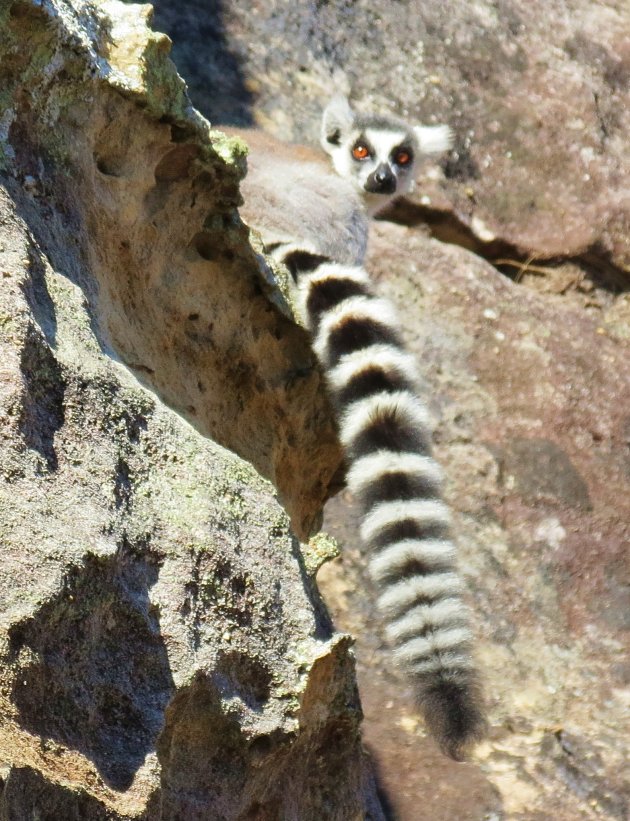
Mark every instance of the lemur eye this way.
pixel 360 152
pixel 402 157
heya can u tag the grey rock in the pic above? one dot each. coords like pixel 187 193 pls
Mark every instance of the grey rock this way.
pixel 164 651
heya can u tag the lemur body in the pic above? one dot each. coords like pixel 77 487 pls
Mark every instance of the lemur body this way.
pixel 315 222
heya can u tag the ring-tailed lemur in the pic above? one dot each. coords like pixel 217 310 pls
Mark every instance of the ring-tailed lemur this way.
pixel 315 222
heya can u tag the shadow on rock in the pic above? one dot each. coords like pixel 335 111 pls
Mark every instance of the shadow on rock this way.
pixel 27 795
pixel 91 669
pixel 42 405
pixel 229 101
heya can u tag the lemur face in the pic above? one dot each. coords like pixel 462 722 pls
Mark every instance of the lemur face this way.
pixel 379 154
pixel 381 162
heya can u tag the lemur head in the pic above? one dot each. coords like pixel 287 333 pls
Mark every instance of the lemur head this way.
pixel 379 154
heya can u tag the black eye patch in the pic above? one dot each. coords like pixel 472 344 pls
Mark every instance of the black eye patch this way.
pixel 402 156
pixel 362 150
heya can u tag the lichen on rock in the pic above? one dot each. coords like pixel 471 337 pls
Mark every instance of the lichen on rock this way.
pixel 164 651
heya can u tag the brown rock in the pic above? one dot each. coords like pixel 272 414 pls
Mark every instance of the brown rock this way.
pixel 528 377
pixel 164 652
pixel 532 429
pixel 539 99
pixel 175 547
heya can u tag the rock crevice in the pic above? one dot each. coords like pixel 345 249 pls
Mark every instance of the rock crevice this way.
pixel 164 653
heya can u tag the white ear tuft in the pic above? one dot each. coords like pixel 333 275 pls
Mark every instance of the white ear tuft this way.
pixel 434 139
pixel 336 122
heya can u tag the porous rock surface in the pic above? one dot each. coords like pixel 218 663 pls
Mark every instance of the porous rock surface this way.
pixel 532 398
pixel 163 651
pixel 526 360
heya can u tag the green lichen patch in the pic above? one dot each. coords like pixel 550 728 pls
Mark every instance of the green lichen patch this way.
pixel 317 551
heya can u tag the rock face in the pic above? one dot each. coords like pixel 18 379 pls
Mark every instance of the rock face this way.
pixel 533 400
pixel 538 97
pixel 164 651
pixel 528 374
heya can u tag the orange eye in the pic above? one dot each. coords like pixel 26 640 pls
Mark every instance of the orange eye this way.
pixel 403 158
pixel 360 152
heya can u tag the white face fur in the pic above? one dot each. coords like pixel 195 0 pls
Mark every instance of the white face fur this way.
pixel 378 154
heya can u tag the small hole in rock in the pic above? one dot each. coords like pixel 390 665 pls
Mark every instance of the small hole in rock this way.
pixel 205 246
pixel 109 166
pixel 179 134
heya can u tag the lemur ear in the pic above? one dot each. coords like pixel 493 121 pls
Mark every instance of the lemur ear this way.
pixel 434 139
pixel 337 120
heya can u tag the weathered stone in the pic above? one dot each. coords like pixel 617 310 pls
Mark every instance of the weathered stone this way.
pixel 538 468
pixel 539 99
pixel 136 170
pixel 532 404
pixel 529 380
pixel 164 653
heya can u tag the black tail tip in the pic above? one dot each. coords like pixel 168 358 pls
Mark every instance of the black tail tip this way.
pixel 453 712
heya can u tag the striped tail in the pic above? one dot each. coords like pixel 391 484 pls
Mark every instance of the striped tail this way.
pixel 405 524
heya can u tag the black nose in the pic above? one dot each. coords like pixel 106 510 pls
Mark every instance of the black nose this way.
pixel 381 181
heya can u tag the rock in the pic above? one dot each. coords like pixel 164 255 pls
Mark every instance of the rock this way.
pixel 175 546
pixel 530 403
pixel 539 101
pixel 164 651
pixel 527 374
